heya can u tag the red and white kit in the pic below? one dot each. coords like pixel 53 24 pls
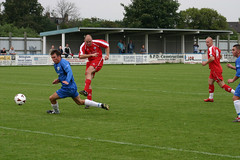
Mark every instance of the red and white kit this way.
pixel 215 66
pixel 96 62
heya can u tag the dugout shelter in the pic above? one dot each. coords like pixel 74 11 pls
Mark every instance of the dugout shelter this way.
pixel 155 40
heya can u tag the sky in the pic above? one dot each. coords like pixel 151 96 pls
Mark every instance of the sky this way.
pixel 112 10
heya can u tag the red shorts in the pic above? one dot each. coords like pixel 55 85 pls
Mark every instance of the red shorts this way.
pixel 97 64
pixel 217 76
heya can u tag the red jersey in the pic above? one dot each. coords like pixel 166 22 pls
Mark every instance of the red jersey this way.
pixel 216 53
pixel 94 48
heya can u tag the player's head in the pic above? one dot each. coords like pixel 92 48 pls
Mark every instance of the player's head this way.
pixel 56 56
pixel 88 40
pixel 236 50
pixel 209 42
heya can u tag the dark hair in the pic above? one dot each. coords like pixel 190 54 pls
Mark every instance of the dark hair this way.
pixel 57 52
pixel 237 46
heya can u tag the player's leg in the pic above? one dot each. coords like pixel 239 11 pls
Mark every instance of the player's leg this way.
pixel 97 68
pixel 236 103
pixel 210 90
pixel 78 100
pixel 90 103
pixel 89 96
pixel 227 88
pixel 53 99
pixel 89 90
pixel 88 79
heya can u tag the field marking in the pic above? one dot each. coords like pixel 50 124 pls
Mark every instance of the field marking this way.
pixel 122 143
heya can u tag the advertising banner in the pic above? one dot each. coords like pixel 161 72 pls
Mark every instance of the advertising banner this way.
pixel 27 60
pixel 193 58
pixel 165 58
pixel 7 60
pixel 24 60
pixel 41 60
pixel 76 61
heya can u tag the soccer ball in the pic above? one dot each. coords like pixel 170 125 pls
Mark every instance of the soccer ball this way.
pixel 20 99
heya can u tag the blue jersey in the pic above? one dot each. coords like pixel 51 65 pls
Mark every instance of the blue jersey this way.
pixel 64 72
pixel 237 64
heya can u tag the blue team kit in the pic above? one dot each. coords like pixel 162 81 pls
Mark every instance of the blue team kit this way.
pixel 64 72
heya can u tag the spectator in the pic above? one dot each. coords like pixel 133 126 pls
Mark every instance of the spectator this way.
pixel 3 51
pixel 60 49
pixel 124 47
pixel 120 46
pixel 143 50
pixel 67 51
pixel 52 48
pixel 130 47
pixel 12 51
pixel 195 48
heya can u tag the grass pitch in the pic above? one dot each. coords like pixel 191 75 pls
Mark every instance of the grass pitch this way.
pixel 156 112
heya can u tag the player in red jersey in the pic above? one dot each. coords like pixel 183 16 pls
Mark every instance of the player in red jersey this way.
pixel 214 56
pixel 91 49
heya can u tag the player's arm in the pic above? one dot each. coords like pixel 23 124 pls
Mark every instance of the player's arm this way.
pixel 56 81
pixel 231 66
pixel 68 70
pixel 235 77
pixel 233 80
pixel 208 61
pixel 83 56
pixel 107 50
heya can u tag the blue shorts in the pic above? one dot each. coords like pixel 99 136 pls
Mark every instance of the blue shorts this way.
pixel 237 91
pixel 67 92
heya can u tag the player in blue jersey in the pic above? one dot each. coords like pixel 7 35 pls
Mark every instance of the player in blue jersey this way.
pixel 69 87
pixel 236 97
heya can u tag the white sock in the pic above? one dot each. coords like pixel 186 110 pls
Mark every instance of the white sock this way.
pixel 210 95
pixel 55 107
pixel 233 91
pixel 92 103
pixel 237 106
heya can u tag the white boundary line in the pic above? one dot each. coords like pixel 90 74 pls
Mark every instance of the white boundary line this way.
pixel 122 143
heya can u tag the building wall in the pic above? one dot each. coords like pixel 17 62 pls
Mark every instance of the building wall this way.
pixel 189 41
pixel 173 44
pixel 156 43
pixel 223 45
pixel 22 45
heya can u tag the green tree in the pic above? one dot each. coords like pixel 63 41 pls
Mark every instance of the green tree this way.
pixel 26 14
pixel 151 14
pixel 16 32
pixel 204 18
pixel 92 22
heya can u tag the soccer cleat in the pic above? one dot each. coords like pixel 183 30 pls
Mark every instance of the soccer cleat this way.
pixel 87 107
pixel 105 106
pixel 83 92
pixel 208 100
pixel 237 119
pixel 52 112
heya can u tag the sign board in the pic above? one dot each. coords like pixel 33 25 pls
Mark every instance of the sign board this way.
pixel 29 60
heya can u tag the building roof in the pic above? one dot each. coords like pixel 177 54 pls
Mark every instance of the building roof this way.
pixel 101 31
pixel 60 31
pixel 235 26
